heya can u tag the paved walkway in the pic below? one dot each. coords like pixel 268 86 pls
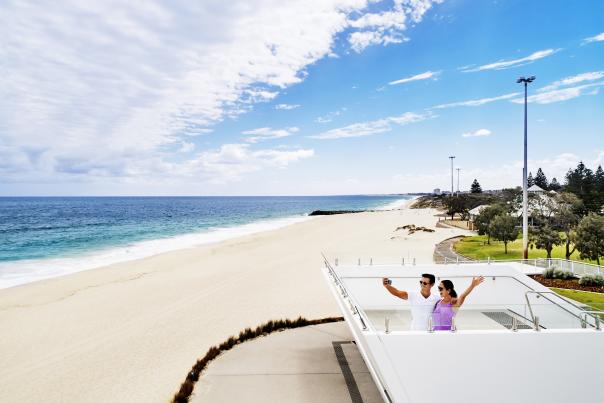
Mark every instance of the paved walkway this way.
pixel 312 364
pixel 444 250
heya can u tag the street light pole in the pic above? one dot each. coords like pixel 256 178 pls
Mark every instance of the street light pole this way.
pixel 452 157
pixel 458 169
pixel 525 81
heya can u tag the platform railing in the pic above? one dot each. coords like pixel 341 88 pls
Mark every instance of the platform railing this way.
pixel 577 268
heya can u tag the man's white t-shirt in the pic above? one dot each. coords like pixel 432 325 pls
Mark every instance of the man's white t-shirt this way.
pixel 421 309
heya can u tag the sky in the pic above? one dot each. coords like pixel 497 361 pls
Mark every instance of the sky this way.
pixel 313 97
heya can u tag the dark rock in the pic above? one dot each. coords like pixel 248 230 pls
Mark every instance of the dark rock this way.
pixel 332 212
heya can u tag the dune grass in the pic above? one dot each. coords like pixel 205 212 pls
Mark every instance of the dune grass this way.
pixel 476 247
pixel 186 388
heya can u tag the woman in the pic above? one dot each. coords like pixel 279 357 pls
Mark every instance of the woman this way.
pixel 446 308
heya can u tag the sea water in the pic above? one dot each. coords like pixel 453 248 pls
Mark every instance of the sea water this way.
pixel 43 237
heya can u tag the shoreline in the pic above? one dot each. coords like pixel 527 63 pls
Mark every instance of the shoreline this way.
pixel 21 272
pixel 153 317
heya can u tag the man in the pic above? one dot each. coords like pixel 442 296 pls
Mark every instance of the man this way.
pixel 422 302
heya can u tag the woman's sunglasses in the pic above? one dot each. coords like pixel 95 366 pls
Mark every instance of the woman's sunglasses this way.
pixel 440 288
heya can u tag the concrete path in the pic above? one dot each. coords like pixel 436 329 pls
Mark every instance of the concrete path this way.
pixel 445 249
pixel 311 364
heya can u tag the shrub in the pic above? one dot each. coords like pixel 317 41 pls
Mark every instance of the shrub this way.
pixel 593 280
pixel 558 274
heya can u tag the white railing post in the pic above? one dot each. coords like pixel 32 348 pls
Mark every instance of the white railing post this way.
pixel 572 267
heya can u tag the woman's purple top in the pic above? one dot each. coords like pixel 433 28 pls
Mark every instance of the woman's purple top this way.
pixel 442 316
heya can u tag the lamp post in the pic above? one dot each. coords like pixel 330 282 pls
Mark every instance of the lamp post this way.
pixel 451 158
pixel 525 81
pixel 458 169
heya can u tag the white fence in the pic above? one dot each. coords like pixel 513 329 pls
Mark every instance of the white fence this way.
pixel 577 268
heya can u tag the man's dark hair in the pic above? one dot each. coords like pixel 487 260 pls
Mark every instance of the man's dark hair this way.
pixel 430 277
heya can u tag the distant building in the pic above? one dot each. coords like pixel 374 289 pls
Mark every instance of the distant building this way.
pixel 436 191
pixel 535 189
pixel 476 210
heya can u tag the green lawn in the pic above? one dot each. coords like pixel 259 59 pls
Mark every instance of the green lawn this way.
pixel 475 247
pixel 595 300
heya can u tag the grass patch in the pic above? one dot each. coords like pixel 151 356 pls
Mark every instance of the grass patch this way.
pixel 593 299
pixel 475 247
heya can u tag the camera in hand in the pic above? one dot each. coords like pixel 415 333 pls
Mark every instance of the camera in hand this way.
pixel 388 281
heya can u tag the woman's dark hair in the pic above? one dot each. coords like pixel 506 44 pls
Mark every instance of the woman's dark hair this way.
pixel 448 284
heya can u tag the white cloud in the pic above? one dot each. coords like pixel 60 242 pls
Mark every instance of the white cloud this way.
pixel 107 87
pixel 506 64
pixel 597 38
pixel 477 102
pixel 287 106
pixel 387 27
pixel 266 133
pixel 579 78
pixel 186 147
pixel 372 127
pixel 562 94
pixel 233 161
pixel 421 76
pixel 477 133
pixel 330 116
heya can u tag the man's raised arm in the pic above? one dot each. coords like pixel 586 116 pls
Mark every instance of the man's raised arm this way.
pixel 393 290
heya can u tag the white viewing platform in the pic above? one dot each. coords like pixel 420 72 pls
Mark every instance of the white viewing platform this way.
pixel 515 340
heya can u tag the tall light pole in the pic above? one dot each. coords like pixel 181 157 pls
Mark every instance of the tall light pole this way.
pixel 451 157
pixel 525 81
pixel 458 169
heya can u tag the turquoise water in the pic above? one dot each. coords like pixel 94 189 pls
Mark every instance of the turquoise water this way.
pixel 46 236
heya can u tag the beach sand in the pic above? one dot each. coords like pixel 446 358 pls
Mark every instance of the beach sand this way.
pixel 131 331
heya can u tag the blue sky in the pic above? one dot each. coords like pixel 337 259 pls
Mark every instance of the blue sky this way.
pixel 295 98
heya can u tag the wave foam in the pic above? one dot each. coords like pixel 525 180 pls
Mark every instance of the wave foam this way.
pixel 27 271
pixel 398 204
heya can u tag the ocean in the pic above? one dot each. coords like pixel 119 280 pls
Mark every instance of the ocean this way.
pixel 43 237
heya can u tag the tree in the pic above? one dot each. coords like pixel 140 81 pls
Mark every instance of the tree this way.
pixel 484 218
pixel 582 182
pixel 530 181
pixel 554 185
pixel 566 217
pixel 475 187
pixel 545 237
pixel 541 180
pixel 589 237
pixel 457 205
pixel 599 179
pixel 503 228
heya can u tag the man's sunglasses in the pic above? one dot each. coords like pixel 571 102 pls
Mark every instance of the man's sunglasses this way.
pixel 423 282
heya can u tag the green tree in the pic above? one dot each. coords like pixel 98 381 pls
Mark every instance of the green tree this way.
pixel 530 181
pixel 566 217
pixel 582 182
pixel 475 187
pixel 589 237
pixel 457 205
pixel 484 218
pixel 503 228
pixel 599 179
pixel 541 180
pixel 554 185
pixel 545 237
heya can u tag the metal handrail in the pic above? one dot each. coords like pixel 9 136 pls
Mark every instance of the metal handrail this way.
pixel 597 319
pixel 541 293
pixel 344 291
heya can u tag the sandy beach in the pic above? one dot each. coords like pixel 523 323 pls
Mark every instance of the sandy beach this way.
pixel 130 332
